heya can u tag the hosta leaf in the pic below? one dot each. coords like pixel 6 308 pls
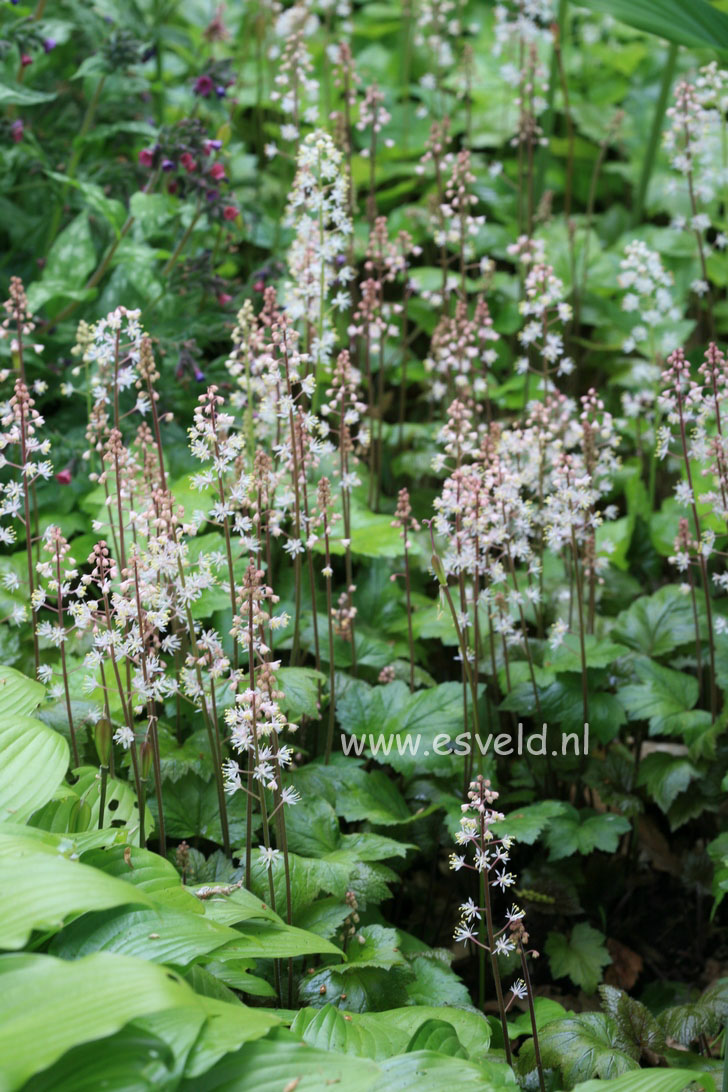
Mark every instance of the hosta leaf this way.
pixel 46 889
pixel 121 810
pixel 225 1028
pixel 267 940
pixel 579 957
pixel 697 24
pixel 439 1036
pixel 132 1059
pixel 235 974
pixel 73 1003
pixel 19 695
pixel 159 934
pixel 237 906
pixel 146 870
pixel 584 1046
pixel 271 1066
pixel 33 763
pixel 546 1011
pixel 652 1080
pixel 426 1071
pixel 380 1035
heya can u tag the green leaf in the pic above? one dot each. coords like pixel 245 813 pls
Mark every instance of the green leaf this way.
pixel 312 830
pixel 666 776
pixel 369 989
pixel 121 812
pixel 583 832
pixel 270 1066
pixel 526 824
pixel 147 871
pixel 270 940
pixel 698 24
pixel 356 794
pixel 546 1011
pixel 46 889
pixel 33 762
pixel 663 697
pixel 18 95
pixel 579 957
pixel 686 1023
pixel 636 1023
pixel 652 1080
pixel 159 934
pixel 73 1003
pixel 373 946
pixel 379 1035
pixel 599 653
pixel 583 1046
pixel 116 1062
pixel 110 209
pixel 718 850
pixel 70 261
pixel 435 978
pixel 19 695
pixel 300 686
pixel 656 624
pixel 439 1036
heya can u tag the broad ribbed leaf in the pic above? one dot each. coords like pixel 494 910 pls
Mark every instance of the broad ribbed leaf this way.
pixel 33 762
pixel 19 695
pixel 269 940
pixel 159 933
pixel 695 24
pixel 652 1080
pixel 382 1034
pixel 48 1005
pixel 42 890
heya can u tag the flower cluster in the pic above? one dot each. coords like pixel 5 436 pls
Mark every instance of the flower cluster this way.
pixel 481 850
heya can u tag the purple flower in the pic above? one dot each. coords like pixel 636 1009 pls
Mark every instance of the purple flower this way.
pixel 49 44
pixel 220 91
pixel 167 164
pixel 199 376
pixel 203 86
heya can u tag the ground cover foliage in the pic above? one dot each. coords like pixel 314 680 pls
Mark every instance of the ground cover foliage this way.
pixel 363 440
